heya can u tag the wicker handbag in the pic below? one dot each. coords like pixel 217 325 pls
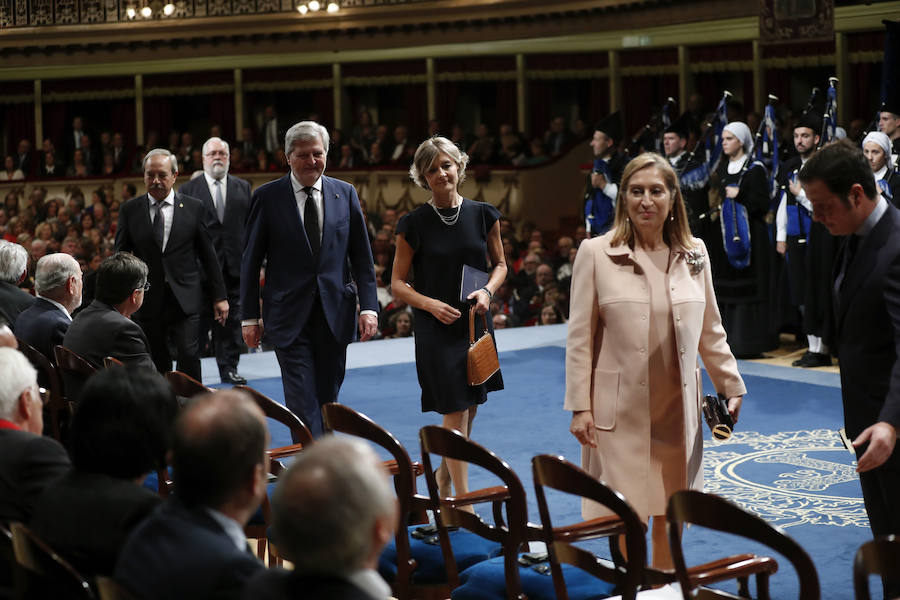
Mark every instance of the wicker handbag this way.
pixel 482 356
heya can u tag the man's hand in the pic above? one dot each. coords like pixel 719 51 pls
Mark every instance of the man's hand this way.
pixel 220 310
pixel 795 187
pixel 252 334
pixel 582 427
pixel 598 180
pixel 881 437
pixel 368 325
pixel 781 247
pixel 732 191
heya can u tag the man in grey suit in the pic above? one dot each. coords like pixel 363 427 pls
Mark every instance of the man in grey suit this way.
pixel 13 268
pixel 227 201
pixel 846 200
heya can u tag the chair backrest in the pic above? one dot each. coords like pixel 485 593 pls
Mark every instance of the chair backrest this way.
pixel 280 413
pixel 880 556
pixel 74 370
pixel 511 533
pixel 109 589
pixel 36 557
pixel 111 361
pixel 557 473
pixel 184 385
pixel 48 376
pixel 714 512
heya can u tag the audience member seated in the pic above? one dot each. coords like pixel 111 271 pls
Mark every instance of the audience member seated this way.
pixel 13 270
pixel 119 434
pixel 58 283
pixel 28 460
pixel 104 328
pixel 550 315
pixel 9 171
pixel 193 545
pixel 334 510
pixel 400 325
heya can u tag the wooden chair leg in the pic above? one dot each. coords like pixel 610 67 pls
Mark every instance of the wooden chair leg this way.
pixel 744 587
pixel 762 586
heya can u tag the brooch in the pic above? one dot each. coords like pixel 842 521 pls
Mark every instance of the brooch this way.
pixel 696 260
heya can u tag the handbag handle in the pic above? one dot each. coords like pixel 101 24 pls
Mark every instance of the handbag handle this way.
pixel 472 324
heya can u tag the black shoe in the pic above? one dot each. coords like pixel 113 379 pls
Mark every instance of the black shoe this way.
pixel 801 362
pixel 233 378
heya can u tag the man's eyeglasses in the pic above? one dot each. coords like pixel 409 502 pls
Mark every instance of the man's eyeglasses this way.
pixel 145 286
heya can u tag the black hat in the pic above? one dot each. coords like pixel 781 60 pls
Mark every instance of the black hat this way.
pixel 811 119
pixel 612 126
pixel 681 126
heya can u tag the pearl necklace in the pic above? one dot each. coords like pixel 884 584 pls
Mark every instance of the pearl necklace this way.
pixel 448 221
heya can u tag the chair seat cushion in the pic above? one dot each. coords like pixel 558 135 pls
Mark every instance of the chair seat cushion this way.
pixel 487 581
pixel 468 549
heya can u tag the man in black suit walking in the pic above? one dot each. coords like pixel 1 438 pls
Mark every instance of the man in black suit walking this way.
pixel 167 231
pixel 227 200
pixel 839 184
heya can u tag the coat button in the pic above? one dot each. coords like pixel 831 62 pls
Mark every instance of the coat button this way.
pixel 642 382
pixel 642 350
pixel 643 317
pixel 677 317
pixel 682 350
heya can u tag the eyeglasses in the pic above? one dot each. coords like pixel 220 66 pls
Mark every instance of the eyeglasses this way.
pixel 216 153
pixel 145 286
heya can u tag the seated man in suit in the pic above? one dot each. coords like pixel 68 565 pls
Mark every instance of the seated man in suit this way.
pixel 28 460
pixel 13 269
pixel 104 328
pixel 58 284
pixel 334 556
pixel 193 545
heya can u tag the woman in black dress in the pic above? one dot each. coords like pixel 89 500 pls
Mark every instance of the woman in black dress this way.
pixel 743 293
pixel 433 243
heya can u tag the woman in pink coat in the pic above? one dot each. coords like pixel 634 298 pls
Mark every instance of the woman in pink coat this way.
pixel 642 309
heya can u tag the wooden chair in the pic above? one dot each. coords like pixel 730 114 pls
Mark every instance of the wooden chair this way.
pixel 44 570
pixel 73 366
pixel 58 411
pixel 186 386
pixel 299 431
pixel 111 361
pixel 7 560
pixel 412 506
pixel 714 512
pixel 512 533
pixel 880 556
pixel 108 589
pixel 557 473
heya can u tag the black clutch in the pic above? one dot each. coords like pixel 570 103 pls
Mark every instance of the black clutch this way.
pixel 715 411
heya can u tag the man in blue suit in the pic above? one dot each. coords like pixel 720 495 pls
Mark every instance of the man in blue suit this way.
pixel 58 284
pixel 310 230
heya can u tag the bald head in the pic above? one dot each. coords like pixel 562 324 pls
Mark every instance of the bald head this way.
pixel 218 448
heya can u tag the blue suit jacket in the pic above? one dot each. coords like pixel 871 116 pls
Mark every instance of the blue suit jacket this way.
pixel 342 270
pixel 42 326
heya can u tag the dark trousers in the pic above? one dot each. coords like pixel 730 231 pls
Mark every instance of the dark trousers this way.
pixel 881 493
pixel 312 370
pixel 173 325
pixel 227 342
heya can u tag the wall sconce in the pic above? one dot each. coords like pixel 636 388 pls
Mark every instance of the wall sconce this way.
pixel 330 6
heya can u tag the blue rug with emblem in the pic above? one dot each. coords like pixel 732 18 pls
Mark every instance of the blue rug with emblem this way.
pixel 785 461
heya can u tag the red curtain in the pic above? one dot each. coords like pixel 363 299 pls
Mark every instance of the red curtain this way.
pixel 540 104
pixel 447 95
pixel 18 124
pixel 221 113
pixel 507 104
pixel 158 114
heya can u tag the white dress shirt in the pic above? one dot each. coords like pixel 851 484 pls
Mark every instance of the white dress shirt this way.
pixel 57 305
pixel 211 184
pixel 167 210
pixel 232 528
pixel 302 199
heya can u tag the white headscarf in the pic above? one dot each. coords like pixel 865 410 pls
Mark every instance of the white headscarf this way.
pixel 882 140
pixel 740 130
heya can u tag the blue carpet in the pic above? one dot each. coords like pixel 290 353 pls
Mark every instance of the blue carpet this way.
pixel 785 461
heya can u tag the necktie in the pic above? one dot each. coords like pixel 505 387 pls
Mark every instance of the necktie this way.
pixel 849 252
pixel 311 221
pixel 220 202
pixel 158 224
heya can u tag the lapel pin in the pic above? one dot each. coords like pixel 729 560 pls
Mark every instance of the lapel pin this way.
pixel 180 205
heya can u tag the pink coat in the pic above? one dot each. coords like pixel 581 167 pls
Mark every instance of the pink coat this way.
pixel 607 365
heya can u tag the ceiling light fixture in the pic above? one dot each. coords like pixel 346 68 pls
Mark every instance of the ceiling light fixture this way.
pixel 311 6
pixel 150 9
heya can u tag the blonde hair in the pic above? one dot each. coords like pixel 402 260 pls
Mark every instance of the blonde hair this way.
pixel 427 153
pixel 676 231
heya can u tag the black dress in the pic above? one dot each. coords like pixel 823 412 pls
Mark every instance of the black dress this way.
pixel 440 251
pixel 743 294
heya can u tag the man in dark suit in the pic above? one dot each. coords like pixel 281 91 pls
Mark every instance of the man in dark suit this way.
pixel 13 269
pixel 311 231
pixel 28 460
pixel 226 199
pixel 194 546
pixel 167 231
pixel 58 283
pixel 104 328
pixel 845 199
pixel 334 556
